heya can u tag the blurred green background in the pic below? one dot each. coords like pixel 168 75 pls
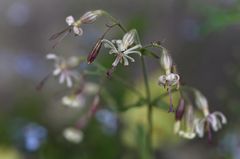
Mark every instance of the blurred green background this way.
pixel 202 36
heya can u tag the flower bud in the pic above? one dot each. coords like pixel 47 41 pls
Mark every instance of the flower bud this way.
pixel 166 61
pixel 91 16
pixel 180 109
pixel 92 56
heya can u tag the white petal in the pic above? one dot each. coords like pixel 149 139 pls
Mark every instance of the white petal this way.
pixel 78 31
pixel 201 101
pixel 73 135
pixel 176 127
pixel 116 61
pixel 134 48
pixel 132 59
pixel 199 127
pixel 51 56
pixel 214 122
pixel 166 60
pixel 110 45
pixel 222 116
pixel 69 81
pixel 128 38
pixel 162 80
pixel 172 79
pixel 187 135
pixel 125 60
pixel 62 78
pixel 70 20
pixel 56 71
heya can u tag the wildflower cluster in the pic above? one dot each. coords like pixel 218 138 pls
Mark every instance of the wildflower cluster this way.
pixel 192 117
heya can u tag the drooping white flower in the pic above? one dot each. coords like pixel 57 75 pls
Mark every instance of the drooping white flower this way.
pixel 186 130
pixel 64 68
pixel 210 121
pixel 73 135
pixel 214 121
pixel 123 48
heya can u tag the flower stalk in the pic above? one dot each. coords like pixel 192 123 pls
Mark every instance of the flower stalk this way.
pixel 149 112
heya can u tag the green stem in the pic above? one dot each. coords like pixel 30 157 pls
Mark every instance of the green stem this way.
pixel 115 21
pixel 149 113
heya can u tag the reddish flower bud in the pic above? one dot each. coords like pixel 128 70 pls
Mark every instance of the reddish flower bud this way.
pixel 180 109
pixel 92 56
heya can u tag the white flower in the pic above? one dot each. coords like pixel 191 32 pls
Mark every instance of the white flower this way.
pixel 169 79
pixel 63 68
pixel 88 17
pixel 78 100
pixel 73 135
pixel 74 101
pixel 214 120
pixel 123 48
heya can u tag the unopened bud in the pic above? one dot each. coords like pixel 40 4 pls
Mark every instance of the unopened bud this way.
pixel 90 16
pixel 166 61
pixel 180 110
pixel 92 56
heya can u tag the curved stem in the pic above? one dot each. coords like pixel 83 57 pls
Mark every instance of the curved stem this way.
pixel 116 21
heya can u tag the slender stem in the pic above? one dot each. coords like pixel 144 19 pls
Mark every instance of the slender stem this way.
pixel 116 21
pixel 149 113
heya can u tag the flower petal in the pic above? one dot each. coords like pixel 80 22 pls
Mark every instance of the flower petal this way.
pixel 57 71
pixel 128 38
pixel 51 56
pixel 108 44
pixel 70 20
pixel 116 61
pixel 126 63
pixel 62 78
pixel 78 31
pixel 222 117
pixel 69 81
